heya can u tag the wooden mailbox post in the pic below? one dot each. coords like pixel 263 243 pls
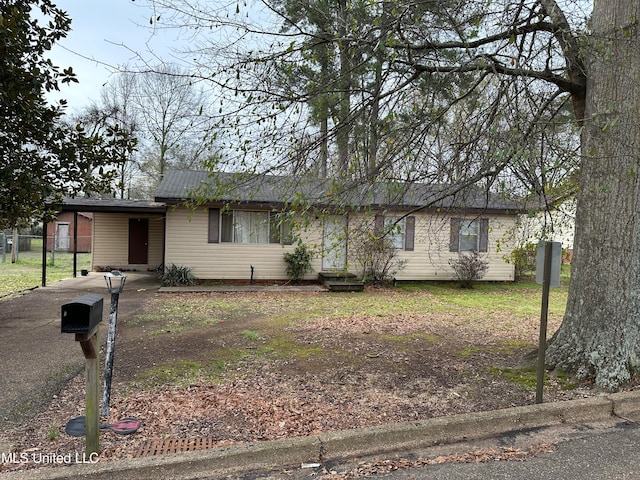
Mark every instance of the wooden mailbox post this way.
pixel 82 316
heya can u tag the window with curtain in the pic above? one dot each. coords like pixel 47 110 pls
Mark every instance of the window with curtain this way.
pixel 396 228
pixel 469 235
pixel 248 226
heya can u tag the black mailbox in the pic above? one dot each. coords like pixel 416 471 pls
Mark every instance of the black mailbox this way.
pixel 82 314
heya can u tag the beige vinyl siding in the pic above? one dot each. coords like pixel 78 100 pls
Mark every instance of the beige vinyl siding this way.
pixel 430 257
pixel 187 244
pixel 111 241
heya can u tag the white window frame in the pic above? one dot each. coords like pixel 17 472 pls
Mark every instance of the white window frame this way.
pixel 396 228
pixel 251 227
pixel 469 235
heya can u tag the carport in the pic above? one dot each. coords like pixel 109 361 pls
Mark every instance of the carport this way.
pixel 140 210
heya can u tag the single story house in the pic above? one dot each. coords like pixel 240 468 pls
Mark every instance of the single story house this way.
pixel 238 235
pixel 242 232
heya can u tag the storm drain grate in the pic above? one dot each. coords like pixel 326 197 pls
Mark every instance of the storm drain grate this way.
pixel 174 445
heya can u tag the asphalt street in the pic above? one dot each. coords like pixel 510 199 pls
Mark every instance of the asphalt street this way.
pixel 603 451
pixel 611 455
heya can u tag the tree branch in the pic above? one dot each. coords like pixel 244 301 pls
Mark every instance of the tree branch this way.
pixel 571 49
pixel 492 66
pixel 468 45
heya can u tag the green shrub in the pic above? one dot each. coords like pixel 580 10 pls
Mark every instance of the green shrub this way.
pixel 377 257
pixel 177 276
pixel 523 259
pixel 298 262
pixel 469 267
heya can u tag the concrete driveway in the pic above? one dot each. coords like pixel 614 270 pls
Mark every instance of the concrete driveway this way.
pixel 36 359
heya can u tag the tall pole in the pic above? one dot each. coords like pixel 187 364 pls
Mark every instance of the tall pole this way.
pixel 544 312
pixel 108 365
pixel 75 244
pixel 44 252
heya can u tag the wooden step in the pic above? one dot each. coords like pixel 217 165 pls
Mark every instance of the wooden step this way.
pixel 329 276
pixel 344 285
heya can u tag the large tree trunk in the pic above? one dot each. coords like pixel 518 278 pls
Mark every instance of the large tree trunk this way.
pixel 600 334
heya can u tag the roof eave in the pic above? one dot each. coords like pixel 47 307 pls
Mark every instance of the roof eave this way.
pixel 154 207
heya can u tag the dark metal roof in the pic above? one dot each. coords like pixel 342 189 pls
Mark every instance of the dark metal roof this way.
pixel 179 186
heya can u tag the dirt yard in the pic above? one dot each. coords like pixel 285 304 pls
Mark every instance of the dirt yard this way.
pixel 245 367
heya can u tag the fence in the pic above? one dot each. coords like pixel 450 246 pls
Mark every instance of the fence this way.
pixel 29 247
pixel 21 263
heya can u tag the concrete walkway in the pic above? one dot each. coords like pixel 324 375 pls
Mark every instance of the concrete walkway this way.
pixel 245 288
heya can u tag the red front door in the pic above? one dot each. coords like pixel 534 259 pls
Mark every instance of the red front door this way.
pixel 138 240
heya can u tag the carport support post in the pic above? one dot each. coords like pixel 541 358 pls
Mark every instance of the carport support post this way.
pixel 44 253
pixel 75 244
pixel 89 344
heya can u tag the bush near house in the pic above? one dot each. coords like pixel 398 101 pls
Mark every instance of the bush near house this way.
pixel 469 267
pixel 298 262
pixel 377 257
pixel 177 276
pixel 523 259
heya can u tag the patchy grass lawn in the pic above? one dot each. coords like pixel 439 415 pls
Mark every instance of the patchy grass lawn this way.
pixel 26 273
pixel 241 367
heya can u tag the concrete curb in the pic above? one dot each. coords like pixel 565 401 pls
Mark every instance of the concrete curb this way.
pixel 243 288
pixel 348 444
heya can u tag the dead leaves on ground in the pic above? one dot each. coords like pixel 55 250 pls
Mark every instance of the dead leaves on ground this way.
pixel 365 469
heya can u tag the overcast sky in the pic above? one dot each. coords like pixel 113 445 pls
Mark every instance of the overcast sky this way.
pixel 105 34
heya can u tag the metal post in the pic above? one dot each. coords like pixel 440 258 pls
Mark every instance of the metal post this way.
pixel 75 244
pixel 14 245
pixel 108 365
pixel 44 253
pixel 4 247
pixel 542 343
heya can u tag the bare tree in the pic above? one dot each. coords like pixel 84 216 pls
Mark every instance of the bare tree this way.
pixel 168 114
pixel 117 98
pixel 477 65
pixel 170 109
